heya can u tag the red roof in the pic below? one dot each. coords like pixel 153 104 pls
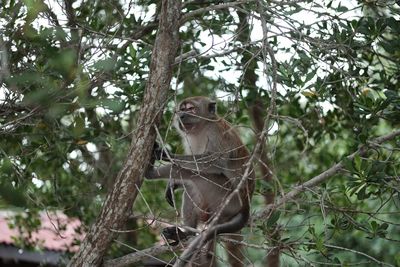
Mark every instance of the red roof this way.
pixel 57 231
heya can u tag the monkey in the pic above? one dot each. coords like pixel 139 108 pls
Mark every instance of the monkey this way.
pixel 213 165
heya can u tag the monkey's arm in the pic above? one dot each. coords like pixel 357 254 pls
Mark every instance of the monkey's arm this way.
pixel 184 169
pixel 211 162
pixel 174 173
pixel 165 155
pixel 168 171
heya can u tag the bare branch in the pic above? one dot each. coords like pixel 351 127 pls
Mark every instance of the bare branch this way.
pixel 201 11
pixel 195 54
pixel 198 240
pixel 355 252
pixel 140 255
pixel 324 175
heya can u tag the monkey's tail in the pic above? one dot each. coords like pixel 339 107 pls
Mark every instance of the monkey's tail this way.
pixel 234 225
pixel 231 226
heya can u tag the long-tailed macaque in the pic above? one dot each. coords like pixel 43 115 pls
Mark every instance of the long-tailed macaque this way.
pixel 214 163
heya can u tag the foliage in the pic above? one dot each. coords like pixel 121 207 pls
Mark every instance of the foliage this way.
pixel 73 76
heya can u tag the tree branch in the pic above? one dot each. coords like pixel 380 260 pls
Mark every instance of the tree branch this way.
pixel 115 210
pixel 324 176
pixel 194 242
pixel 140 255
pixel 201 11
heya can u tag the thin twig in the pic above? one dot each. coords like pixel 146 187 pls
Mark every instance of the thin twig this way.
pixel 322 177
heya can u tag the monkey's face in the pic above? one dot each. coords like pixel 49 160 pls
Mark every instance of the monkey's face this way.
pixel 188 117
pixel 193 113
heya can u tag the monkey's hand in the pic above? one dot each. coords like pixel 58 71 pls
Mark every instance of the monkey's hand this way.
pixel 149 173
pixel 160 153
pixel 169 191
pixel 156 154
pixel 175 234
pixel 150 167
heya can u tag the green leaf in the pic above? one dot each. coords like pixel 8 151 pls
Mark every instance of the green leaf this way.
pixel 13 196
pixel 273 219
pixel 357 162
pixel 348 164
pixel 79 126
pixel 341 9
pixel 361 192
pixel 64 62
pixel 132 52
pixel 107 64
pixel 310 75
pixel 34 8
pixel 114 105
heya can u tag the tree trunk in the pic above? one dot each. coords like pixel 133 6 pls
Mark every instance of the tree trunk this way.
pixel 116 207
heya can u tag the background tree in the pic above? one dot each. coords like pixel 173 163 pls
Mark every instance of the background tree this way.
pixel 73 77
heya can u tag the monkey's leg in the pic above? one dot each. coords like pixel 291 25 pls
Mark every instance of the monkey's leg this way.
pixel 175 234
pixel 189 210
pixel 234 251
pixel 189 219
pixel 205 256
pixel 235 224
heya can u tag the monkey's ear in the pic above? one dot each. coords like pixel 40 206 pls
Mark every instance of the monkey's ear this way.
pixel 212 107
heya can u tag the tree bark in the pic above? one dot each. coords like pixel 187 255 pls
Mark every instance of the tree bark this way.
pixel 115 210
